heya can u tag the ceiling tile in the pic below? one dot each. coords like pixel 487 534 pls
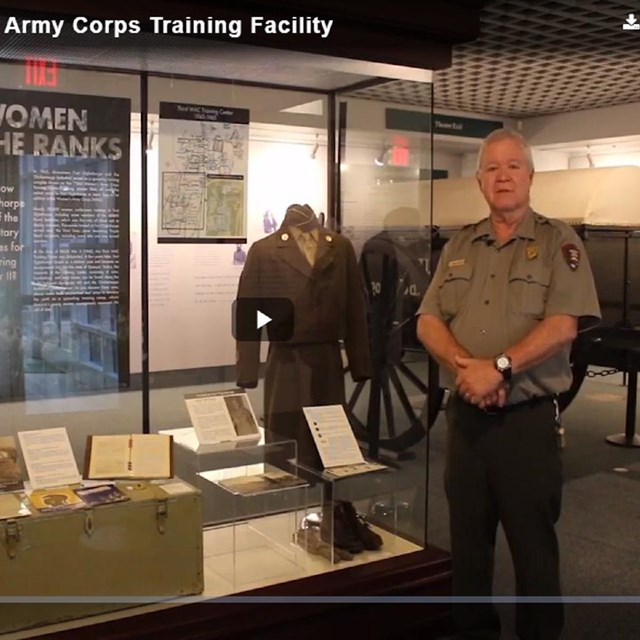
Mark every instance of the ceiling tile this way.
pixel 535 59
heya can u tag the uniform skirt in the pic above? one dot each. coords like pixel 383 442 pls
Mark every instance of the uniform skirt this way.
pixel 300 376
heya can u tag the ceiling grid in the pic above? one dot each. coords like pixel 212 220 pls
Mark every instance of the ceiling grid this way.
pixel 534 59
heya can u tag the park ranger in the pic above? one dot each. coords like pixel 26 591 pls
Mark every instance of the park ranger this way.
pixel 508 297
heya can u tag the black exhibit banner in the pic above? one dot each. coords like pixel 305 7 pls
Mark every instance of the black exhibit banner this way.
pixel 64 243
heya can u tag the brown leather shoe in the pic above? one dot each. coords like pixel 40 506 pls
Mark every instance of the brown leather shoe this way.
pixel 370 539
pixel 344 536
pixel 313 521
pixel 309 540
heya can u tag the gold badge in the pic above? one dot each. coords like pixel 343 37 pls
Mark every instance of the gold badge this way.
pixel 458 263
pixel 532 252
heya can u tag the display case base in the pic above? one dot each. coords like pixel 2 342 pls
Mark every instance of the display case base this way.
pixel 421 573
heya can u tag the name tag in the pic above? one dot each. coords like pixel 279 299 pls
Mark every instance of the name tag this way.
pixel 457 263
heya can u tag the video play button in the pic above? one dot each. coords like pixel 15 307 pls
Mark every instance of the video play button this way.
pixel 262 319
pixel 256 319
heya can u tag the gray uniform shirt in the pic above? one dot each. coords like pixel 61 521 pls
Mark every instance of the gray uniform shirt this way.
pixel 491 297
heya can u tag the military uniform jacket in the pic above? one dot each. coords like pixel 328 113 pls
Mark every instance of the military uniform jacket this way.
pixel 491 297
pixel 328 297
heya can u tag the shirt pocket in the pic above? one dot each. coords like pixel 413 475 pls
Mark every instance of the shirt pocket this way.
pixel 454 289
pixel 528 289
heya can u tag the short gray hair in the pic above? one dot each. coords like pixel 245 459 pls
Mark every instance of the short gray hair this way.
pixel 505 134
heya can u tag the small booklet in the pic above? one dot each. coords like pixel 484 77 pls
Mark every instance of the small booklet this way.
pixel 58 499
pixel 10 474
pixel 354 469
pixel 101 494
pixel 139 456
pixel 222 416
pixel 262 482
pixel 11 506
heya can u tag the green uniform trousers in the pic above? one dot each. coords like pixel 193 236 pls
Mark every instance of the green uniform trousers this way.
pixel 504 467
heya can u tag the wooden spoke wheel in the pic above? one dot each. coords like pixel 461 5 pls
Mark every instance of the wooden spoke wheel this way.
pixel 393 410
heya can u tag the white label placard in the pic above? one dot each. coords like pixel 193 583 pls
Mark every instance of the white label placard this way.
pixel 222 416
pixel 210 418
pixel 49 458
pixel 333 436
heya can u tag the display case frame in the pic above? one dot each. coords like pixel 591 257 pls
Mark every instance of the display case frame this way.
pixel 366 576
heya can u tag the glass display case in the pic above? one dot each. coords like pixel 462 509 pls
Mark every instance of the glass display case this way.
pixel 253 504
pixel 164 243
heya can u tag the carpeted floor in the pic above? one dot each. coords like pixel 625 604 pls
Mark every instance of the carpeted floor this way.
pixel 599 529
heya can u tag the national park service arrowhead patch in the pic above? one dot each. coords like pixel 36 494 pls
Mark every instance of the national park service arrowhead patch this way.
pixel 571 254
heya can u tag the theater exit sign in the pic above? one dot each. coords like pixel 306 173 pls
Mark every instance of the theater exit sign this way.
pixel 40 72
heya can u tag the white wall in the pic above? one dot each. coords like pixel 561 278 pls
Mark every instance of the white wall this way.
pixel 590 124
pixel 550 160
pixel 449 161
pixel 605 160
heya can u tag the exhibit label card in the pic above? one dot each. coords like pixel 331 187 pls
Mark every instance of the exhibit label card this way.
pixel 210 418
pixel 333 436
pixel 222 416
pixel 49 458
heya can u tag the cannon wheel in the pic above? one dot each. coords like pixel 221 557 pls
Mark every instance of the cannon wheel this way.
pixel 392 411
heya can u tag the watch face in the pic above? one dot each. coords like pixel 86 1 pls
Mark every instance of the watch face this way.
pixel 502 363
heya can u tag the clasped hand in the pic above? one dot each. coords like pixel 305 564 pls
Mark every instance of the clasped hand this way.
pixel 479 382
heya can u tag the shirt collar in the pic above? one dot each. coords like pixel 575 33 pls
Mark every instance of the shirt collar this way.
pixel 526 229
pixel 299 233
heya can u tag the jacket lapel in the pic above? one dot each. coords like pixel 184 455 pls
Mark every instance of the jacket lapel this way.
pixel 289 251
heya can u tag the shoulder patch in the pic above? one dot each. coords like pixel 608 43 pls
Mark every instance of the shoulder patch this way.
pixel 571 255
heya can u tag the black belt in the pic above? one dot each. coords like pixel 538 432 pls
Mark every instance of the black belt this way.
pixel 509 408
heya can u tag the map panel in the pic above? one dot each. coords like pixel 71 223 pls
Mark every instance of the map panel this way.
pixel 203 166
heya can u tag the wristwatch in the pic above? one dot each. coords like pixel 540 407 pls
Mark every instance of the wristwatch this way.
pixel 502 363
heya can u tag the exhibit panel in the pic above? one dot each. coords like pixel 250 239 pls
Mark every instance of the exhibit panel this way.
pixel 66 164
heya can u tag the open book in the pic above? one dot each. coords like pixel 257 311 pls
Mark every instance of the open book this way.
pixel 142 455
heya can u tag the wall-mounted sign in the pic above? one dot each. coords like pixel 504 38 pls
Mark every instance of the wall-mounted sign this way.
pixel 203 173
pixel 64 241
pixel 404 120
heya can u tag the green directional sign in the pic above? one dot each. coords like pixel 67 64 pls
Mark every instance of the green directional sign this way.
pixel 404 120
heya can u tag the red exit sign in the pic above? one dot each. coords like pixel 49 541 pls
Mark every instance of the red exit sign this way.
pixel 39 72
